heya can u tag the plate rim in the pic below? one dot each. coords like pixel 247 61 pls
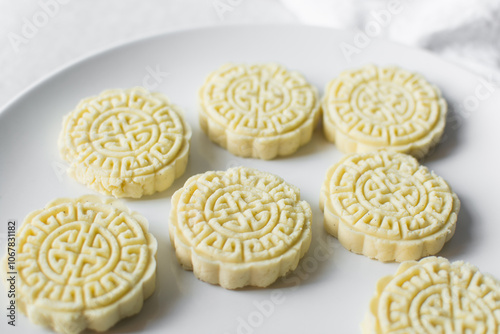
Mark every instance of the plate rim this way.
pixel 121 44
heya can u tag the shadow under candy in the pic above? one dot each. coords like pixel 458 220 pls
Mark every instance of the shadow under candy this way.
pixel 163 299
pixel 451 135
pixel 463 236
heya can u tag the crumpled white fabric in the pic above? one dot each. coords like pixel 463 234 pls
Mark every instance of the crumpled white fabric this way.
pixel 463 31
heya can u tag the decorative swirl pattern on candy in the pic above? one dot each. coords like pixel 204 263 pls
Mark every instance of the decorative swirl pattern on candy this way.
pixel 259 111
pixel 84 263
pixel 239 227
pixel 125 143
pixel 434 296
pixel 374 108
pixel 386 206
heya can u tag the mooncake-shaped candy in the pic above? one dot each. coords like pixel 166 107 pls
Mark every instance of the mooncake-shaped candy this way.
pixel 434 296
pixel 374 108
pixel 260 111
pixel 125 143
pixel 387 206
pixel 83 263
pixel 239 227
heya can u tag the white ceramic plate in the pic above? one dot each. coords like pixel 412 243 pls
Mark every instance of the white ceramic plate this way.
pixel 330 290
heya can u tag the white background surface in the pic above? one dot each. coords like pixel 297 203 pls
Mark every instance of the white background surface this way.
pixel 463 31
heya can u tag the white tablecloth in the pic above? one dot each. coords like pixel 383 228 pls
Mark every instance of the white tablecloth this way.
pixel 38 37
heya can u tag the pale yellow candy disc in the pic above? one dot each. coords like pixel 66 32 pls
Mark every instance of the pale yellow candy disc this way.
pixel 239 227
pixel 434 296
pixel 125 143
pixel 260 111
pixel 388 108
pixel 84 263
pixel 386 206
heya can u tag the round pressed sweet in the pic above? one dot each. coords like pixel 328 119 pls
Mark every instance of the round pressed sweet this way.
pixel 434 296
pixel 239 227
pixel 125 143
pixel 387 206
pixel 260 111
pixel 84 263
pixel 374 108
